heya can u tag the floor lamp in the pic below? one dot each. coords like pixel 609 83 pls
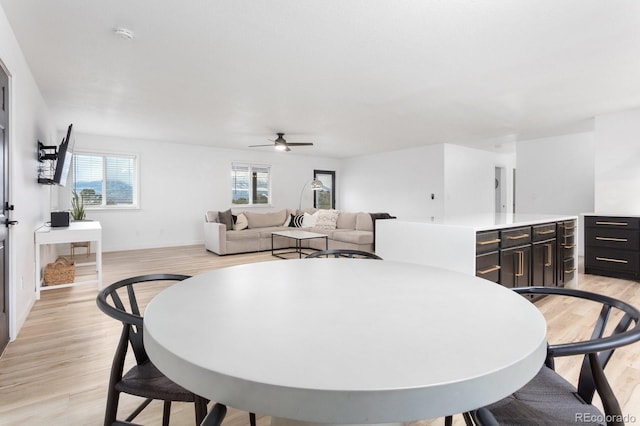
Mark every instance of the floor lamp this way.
pixel 315 186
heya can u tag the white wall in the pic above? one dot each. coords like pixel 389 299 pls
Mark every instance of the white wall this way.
pixel 401 182
pixel 469 180
pixel 617 163
pixel 28 122
pixel 179 182
pixel 556 175
pixel 397 182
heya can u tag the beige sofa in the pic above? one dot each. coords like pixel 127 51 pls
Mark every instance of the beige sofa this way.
pixel 343 229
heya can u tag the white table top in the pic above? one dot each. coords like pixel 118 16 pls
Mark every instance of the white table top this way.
pixel 345 340
pixel 299 234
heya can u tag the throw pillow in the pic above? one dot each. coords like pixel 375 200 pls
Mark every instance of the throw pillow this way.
pixel 309 220
pixel 241 222
pixel 296 221
pixel 327 220
pixel 226 218
pixel 288 221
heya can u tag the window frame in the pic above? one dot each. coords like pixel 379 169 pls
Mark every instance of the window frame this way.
pixel 109 154
pixel 251 189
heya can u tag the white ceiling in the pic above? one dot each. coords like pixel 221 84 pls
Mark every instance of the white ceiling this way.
pixel 354 77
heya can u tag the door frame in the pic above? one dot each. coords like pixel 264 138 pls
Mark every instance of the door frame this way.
pixel 9 268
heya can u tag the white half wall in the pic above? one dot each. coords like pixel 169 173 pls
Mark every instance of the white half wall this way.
pixel 617 163
pixel 179 182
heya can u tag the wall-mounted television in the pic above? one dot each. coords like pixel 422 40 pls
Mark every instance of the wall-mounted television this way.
pixel 65 153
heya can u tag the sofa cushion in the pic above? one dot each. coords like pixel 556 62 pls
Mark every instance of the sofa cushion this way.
pixel 346 220
pixel 354 237
pixel 227 218
pixel 309 220
pixel 263 220
pixel 240 222
pixel 364 222
pixel 266 232
pixel 327 220
pixel 211 216
pixel 245 234
pixel 296 221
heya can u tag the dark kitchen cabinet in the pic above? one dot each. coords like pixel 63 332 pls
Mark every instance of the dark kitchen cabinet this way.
pixel 543 263
pixel 612 246
pixel 535 255
pixel 515 266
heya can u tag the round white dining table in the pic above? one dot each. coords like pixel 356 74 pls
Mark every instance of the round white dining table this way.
pixel 345 341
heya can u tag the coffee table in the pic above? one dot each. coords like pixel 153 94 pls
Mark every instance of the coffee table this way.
pixel 298 236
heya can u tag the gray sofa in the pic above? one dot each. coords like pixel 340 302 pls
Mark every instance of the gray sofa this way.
pixel 353 230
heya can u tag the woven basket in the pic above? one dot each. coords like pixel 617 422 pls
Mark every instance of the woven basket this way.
pixel 61 271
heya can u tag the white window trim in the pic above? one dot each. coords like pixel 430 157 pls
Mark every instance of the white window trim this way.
pixel 136 189
pixel 251 166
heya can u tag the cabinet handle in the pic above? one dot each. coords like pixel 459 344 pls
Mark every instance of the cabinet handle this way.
pixel 520 272
pixel 484 243
pixel 568 246
pixel 569 227
pixel 568 271
pixel 550 255
pixel 618 240
pixel 550 231
pixel 607 259
pixel 492 269
pixel 517 237
pixel 612 223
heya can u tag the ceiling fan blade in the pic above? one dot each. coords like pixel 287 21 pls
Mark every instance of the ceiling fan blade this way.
pixel 299 143
pixel 253 146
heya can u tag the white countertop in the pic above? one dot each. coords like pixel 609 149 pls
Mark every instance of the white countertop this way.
pixel 345 340
pixel 482 222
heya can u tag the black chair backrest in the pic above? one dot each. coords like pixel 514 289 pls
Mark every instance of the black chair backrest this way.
pixel 349 253
pixel 599 348
pixel 131 319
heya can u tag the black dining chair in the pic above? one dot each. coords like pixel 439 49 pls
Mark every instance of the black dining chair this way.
pixel 349 253
pixel 549 399
pixel 143 379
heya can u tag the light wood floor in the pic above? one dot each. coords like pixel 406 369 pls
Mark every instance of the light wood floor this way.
pixel 56 371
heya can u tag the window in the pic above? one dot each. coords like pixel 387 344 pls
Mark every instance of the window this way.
pixel 106 180
pixel 325 198
pixel 250 184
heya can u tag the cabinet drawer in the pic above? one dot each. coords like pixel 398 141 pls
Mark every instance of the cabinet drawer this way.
pixel 488 266
pixel 612 222
pixel 487 241
pixel 544 232
pixel 567 227
pixel 611 259
pixel 613 238
pixel 568 269
pixel 568 242
pixel 515 236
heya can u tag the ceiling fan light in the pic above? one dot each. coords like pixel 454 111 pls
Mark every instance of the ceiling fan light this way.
pixel 281 147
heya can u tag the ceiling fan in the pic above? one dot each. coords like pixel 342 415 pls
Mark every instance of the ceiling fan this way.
pixel 281 143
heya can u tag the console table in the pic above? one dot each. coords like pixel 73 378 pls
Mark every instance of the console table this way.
pixel 75 232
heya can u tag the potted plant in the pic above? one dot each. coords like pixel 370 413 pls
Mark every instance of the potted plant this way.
pixel 77 207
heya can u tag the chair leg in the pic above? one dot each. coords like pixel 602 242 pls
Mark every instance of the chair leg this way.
pixel 200 404
pixel 111 410
pixel 448 421
pixel 252 419
pixel 166 413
